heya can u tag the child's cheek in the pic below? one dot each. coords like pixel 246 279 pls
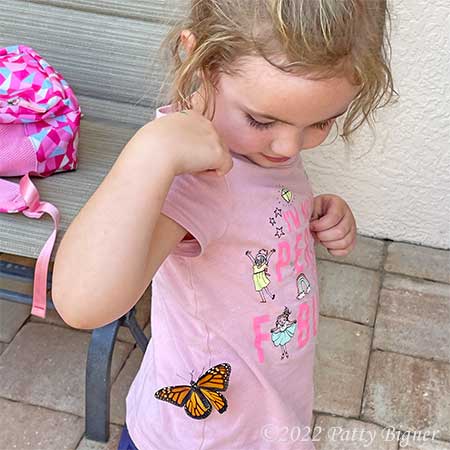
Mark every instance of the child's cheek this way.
pixel 314 139
pixel 248 142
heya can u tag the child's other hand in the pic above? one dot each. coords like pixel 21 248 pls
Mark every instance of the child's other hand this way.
pixel 333 225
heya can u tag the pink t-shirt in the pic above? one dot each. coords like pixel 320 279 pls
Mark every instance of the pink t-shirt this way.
pixel 244 292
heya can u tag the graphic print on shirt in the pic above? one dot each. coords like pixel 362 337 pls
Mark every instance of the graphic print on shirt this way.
pixel 283 331
pixel 260 272
pixel 289 223
pixel 286 195
pixel 199 398
pixel 303 286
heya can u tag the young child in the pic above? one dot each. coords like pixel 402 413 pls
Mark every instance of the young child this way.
pixel 211 201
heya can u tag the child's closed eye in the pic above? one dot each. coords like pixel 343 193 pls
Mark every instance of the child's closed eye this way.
pixel 254 123
pixel 323 125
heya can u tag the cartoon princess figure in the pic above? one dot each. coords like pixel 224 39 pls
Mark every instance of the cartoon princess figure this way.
pixel 260 274
pixel 283 331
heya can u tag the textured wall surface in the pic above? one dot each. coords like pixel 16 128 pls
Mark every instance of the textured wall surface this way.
pixel 397 181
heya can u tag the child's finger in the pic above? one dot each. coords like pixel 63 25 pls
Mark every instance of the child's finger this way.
pixel 316 239
pixel 339 243
pixel 318 207
pixel 333 235
pixel 343 225
pixel 227 162
pixel 345 251
pixel 329 220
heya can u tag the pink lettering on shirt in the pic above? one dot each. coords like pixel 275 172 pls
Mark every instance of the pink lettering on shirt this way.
pixel 303 325
pixel 299 268
pixel 284 256
pixel 259 335
pixel 286 219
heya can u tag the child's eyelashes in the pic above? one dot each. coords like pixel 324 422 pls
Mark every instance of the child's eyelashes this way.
pixel 252 122
pixel 323 125
pixel 261 126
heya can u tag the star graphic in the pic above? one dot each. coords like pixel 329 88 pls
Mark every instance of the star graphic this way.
pixel 277 212
pixel 279 232
pixel 272 221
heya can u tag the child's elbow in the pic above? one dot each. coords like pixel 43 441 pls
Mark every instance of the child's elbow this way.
pixel 63 306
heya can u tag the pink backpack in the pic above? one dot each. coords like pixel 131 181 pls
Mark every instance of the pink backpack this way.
pixel 39 133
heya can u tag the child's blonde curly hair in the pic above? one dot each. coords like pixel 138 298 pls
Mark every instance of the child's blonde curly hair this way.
pixel 317 39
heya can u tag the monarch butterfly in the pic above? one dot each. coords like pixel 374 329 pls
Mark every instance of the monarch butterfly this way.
pixel 201 394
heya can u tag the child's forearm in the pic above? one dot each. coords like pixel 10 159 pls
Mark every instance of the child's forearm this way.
pixel 99 270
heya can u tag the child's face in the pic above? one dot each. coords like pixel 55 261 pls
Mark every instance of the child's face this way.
pixel 301 102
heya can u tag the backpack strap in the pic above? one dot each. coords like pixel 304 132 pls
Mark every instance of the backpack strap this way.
pixel 25 198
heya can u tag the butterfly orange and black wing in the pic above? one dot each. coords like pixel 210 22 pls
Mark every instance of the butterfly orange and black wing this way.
pixel 177 395
pixel 194 402
pixel 216 399
pixel 216 379
pixel 197 405
pixel 197 399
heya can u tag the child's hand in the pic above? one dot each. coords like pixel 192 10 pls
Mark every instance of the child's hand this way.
pixel 333 225
pixel 190 142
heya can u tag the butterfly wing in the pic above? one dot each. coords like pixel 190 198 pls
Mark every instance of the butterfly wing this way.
pixel 197 405
pixel 216 378
pixel 216 399
pixel 177 395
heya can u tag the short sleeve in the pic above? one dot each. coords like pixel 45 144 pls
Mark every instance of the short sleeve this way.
pixel 200 203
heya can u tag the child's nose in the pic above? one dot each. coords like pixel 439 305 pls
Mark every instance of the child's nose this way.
pixel 288 145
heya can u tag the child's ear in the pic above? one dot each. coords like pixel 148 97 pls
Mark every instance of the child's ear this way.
pixel 188 40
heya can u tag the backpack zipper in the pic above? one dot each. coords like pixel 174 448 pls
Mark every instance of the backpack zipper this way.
pixel 22 102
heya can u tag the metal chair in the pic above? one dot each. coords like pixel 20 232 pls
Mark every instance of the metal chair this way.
pixel 99 356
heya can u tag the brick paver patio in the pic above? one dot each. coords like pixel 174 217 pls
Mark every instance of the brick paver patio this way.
pixel 382 365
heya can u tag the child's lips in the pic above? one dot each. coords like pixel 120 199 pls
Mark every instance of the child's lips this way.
pixel 275 159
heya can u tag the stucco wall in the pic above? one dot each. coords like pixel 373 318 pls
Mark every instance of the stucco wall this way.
pixel 398 181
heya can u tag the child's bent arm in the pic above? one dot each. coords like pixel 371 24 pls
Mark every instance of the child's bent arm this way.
pixel 102 264
pixel 166 235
